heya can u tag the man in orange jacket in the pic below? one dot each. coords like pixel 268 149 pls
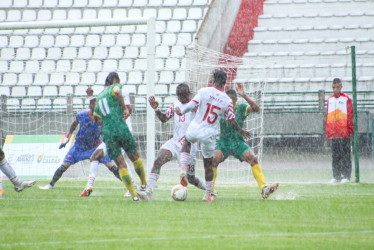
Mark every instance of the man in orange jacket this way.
pixel 339 128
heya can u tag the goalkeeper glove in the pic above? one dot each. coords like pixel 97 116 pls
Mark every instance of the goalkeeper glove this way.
pixel 63 144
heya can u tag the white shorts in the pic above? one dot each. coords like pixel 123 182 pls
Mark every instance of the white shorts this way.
pixel 207 145
pixel 103 147
pixel 175 148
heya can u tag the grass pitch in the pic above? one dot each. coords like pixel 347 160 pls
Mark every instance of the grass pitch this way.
pixel 309 216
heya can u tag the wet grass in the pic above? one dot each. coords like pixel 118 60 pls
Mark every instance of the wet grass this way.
pixel 313 216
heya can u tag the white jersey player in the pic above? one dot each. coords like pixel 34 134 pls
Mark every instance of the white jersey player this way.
pixel 214 104
pixel 101 151
pixel 172 148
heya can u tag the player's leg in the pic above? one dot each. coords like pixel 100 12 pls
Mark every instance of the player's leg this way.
pixel 207 150
pixel 335 161
pixel 183 161
pixel 345 160
pixel 218 157
pixel 7 169
pixel 191 176
pixel 164 156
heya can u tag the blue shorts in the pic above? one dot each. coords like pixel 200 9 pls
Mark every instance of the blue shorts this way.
pixel 75 155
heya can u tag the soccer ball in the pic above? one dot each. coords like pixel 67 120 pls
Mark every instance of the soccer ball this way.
pixel 179 193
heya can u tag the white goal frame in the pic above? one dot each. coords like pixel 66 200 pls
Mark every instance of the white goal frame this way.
pixel 151 33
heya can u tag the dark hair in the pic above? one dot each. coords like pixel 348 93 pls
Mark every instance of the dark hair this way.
pixel 183 87
pixel 231 92
pixel 220 77
pixel 336 81
pixel 113 76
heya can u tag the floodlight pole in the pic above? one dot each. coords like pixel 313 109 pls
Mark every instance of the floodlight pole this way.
pixel 355 120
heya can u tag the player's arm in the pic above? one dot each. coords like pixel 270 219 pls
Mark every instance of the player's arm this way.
pixel 118 94
pixel 236 126
pixel 73 126
pixel 253 107
pixel 154 104
pixel 187 108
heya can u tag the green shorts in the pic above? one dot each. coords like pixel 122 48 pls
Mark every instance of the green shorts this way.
pixel 115 141
pixel 236 148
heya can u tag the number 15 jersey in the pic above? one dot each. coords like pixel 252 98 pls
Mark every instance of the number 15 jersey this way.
pixel 214 104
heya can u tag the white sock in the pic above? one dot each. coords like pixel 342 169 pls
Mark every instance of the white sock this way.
pixel 94 169
pixel 201 183
pixel 9 172
pixel 184 160
pixel 208 191
pixel 152 180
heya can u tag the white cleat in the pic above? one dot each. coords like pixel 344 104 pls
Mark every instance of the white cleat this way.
pixel 127 194
pixel 208 198
pixel 24 184
pixel 333 180
pixel 49 186
pixel 268 190
pixel 344 180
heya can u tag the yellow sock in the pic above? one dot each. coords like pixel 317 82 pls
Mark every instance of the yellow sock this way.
pixel 139 168
pixel 214 178
pixel 126 178
pixel 259 176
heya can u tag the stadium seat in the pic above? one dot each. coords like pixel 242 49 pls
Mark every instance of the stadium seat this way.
pixel 123 40
pixel 160 26
pixel 28 104
pixel 110 65
pixel 150 13
pixel 34 91
pixel 38 54
pixel 162 52
pixel 69 53
pixel 166 77
pixel 25 79
pixel 72 78
pixel 122 77
pixel 19 91
pixel 80 3
pixel 13 104
pixel 108 40
pixel 180 77
pixel 65 90
pixel 161 89
pixel 23 54
pixel 125 65
pixel 59 14
pixel 172 64
pixel 131 52
pixel 142 90
pixel 179 14
pixel 116 52
pixel 109 3
pixel 2 15
pixel 3 41
pixel 44 103
pixel 184 39
pixel 85 53
pixel 57 79
pixel 60 103
pixel 32 66
pixel 131 89
pixel 89 14
pixel 6 4
pixel 95 3
pixel 199 2
pixel 63 66
pixel 135 77
pixel 100 53
pixel 138 40
pixel 46 41
pixel 76 40
pixel 195 13
pixel 54 53
pixel 173 26
pixel 74 14
pixel 169 100
pixel 173 89
pixel 28 15
pixel 119 13
pixel 134 13
pixel 78 103
pixel 14 16
pixel 189 26
pixel 4 90
pixel 92 40
pixel 80 90
pixel 94 66
pixel 98 88
pixel 170 3
pixel 104 14
pixel 178 51
pixel 65 4
pixel 88 78
pixel 41 79
pixel 169 39
pixel 155 3
pixel 50 91
pixel 15 41
pixel 140 64
pixel 164 14
pixel 44 15
pixel 159 64
pixel 9 79
pixel 100 77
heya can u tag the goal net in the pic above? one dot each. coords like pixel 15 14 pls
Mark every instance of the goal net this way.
pixel 201 63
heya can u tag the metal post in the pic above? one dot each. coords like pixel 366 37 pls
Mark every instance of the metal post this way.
pixel 3 99
pixel 321 99
pixel 355 120
pixel 69 102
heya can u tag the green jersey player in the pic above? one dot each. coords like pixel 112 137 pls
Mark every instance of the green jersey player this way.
pixel 112 110
pixel 231 142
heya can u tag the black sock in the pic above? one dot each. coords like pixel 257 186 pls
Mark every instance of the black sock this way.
pixel 58 175
pixel 114 170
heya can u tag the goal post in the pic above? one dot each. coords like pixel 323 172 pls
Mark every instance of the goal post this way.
pixel 150 44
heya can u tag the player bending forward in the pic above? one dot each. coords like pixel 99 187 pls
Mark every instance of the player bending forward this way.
pixel 86 141
pixel 231 142
pixel 5 167
pixel 101 152
pixel 214 104
pixel 172 148
pixel 111 108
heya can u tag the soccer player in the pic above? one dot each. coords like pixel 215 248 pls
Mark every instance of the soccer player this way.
pixel 86 141
pixel 111 109
pixel 214 104
pixel 101 152
pixel 172 148
pixel 231 142
pixel 5 167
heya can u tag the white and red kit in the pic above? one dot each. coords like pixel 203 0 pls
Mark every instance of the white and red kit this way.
pixel 214 104
pixel 174 145
pixel 339 117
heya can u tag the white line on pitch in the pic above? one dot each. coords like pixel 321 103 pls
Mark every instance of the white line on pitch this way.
pixel 250 235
